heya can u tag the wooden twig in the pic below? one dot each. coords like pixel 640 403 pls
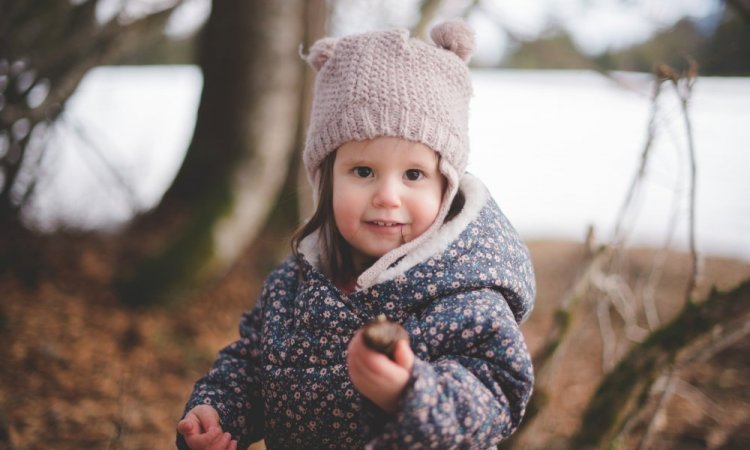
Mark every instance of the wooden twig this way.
pixel 427 11
pixel 683 87
pixel 666 394
pixel 648 292
pixel 609 339
pixel 685 95
pixel 723 338
pixel 700 399
pixel 636 181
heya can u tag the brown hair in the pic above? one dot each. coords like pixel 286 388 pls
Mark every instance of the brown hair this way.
pixel 337 254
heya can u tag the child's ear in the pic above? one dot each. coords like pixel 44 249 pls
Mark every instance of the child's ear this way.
pixel 320 52
pixel 456 36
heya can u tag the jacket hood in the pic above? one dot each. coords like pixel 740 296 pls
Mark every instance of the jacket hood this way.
pixel 478 249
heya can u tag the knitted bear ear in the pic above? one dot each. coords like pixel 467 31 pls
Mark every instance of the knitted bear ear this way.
pixel 320 52
pixel 456 36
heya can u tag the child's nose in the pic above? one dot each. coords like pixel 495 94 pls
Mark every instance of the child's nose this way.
pixel 387 194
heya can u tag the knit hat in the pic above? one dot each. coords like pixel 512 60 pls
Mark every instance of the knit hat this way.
pixel 385 83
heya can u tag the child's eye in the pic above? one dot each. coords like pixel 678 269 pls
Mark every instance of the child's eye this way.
pixel 413 174
pixel 363 172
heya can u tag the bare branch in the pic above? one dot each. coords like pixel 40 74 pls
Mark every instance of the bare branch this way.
pixel 427 11
pixel 723 338
pixel 609 340
pixel 114 173
pixel 637 179
pixel 658 414
pixel 684 95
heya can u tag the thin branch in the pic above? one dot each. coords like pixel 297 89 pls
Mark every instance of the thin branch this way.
pixel 609 340
pixel 700 399
pixel 469 8
pixel 35 164
pixel 115 175
pixel 685 95
pixel 724 338
pixel 637 179
pixel 683 87
pixel 648 292
pixel 427 11
pixel 666 395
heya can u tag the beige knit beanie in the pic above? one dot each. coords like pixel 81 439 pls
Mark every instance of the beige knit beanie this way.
pixel 385 83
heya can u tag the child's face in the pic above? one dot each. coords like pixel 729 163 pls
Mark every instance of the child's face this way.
pixel 386 191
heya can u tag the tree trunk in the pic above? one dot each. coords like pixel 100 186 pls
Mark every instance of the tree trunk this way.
pixel 295 199
pixel 240 151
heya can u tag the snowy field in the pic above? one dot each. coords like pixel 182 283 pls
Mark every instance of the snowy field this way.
pixel 557 150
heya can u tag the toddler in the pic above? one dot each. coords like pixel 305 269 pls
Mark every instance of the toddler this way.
pixel 399 230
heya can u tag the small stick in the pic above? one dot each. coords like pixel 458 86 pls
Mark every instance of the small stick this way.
pixel 382 335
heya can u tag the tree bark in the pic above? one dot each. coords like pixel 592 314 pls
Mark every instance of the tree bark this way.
pixel 295 199
pixel 240 152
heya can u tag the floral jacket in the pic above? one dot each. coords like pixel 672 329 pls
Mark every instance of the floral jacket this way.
pixel 461 297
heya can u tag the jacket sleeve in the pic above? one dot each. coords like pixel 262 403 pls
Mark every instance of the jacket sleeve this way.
pixel 232 386
pixel 472 379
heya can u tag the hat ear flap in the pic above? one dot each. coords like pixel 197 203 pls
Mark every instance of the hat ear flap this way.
pixel 320 52
pixel 456 36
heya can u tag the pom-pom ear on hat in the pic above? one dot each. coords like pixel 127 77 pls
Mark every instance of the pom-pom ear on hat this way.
pixel 456 36
pixel 320 52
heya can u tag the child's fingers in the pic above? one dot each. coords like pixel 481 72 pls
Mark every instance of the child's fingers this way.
pixel 374 363
pixel 223 442
pixel 207 417
pixel 188 425
pixel 371 371
pixel 403 355
pixel 208 440
pixel 358 358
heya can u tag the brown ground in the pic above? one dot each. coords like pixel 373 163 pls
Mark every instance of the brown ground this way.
pixel 78 371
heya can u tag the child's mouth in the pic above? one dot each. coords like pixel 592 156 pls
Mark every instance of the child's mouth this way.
pixel 386 228
pixel 381 223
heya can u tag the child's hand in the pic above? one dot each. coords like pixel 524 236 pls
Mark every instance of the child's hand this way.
pixel 202 431
pixel 378 377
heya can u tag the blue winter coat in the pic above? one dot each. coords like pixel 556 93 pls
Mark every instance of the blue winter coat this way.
pixel 461 296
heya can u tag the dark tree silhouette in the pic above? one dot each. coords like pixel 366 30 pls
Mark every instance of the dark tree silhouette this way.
pixel 242 149
pixel 46 47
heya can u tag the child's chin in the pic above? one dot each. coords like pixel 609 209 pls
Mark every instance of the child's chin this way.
pixel 379 252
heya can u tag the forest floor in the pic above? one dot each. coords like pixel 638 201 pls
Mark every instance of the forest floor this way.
pixel 80 371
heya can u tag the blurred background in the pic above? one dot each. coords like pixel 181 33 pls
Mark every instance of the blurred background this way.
pixel 150 177
pixel 566 67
